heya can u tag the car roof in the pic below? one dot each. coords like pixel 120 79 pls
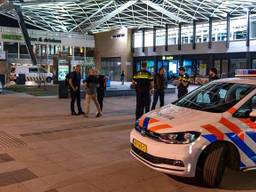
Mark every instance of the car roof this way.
pixel 238 80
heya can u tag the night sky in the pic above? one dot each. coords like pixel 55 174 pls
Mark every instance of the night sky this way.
pixel 8 22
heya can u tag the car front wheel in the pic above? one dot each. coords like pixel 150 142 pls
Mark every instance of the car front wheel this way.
pixel 214 166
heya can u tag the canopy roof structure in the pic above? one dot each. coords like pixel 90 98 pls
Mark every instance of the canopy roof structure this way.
pixel 92 16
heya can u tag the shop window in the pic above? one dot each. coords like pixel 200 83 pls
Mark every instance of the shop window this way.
pixel 23 49
pixel 11 47
pixel 217 65
pixel 254 63
pixel 111 67
pixel 237 64
pixel 187 64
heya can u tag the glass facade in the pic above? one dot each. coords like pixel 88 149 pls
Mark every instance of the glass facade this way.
pixel 160 37
pixel 238 26
pixel 173 36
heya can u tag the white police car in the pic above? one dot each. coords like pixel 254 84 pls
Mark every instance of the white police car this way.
pixel 201 134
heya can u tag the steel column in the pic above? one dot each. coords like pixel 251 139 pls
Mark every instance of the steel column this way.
pixel 24 30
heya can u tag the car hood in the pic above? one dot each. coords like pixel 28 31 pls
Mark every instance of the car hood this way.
pixel 172 118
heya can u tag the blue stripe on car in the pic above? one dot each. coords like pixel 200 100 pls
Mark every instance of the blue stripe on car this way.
pixel 243 147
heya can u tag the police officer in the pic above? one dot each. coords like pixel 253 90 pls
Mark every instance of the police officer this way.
pixel 183 82
pixel 143 83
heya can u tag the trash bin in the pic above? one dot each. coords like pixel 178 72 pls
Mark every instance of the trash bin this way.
pixel 63 90
pixel 21 79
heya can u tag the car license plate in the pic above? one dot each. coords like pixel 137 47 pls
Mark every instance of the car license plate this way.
pixel 140 145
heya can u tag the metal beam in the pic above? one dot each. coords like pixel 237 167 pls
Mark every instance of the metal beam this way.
pixel 24 30
pixel 164 11
pixel 45 2
pixel 228 30
pixel 194 35
pixel 180 9
pixel 210 33
pixel 111 15
pixel 154 38
pixel 179 37
pixel 88 18
pixel 166 37
pixel 248 29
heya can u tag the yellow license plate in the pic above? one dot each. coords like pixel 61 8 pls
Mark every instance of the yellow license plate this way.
pixel 140 145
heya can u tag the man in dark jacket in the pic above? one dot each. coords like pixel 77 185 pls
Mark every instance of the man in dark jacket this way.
pixel 143 83
pixel 74 85
pixel 213 74
pixel 101 88
pixel 159 86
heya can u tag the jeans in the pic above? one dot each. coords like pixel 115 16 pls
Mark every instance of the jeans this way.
pixel 142 104
pixel 158 94
pixel 75 97
pixel 100 97
pixel 88 99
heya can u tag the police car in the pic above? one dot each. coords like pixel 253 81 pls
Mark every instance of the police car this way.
pixel 201 134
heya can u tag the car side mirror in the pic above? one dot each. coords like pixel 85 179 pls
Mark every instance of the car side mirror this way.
pixel 252 115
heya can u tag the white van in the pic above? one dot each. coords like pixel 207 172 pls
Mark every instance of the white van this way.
pixel 32 73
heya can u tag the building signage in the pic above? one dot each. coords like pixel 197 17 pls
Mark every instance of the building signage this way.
pixel 167 58
pixel 12 37
pixel 20 38
pixel 46 40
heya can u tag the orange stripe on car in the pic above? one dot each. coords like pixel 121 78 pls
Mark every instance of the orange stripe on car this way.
pixel 232 110
pixel 153 121
pixel 158 127
pixel 233 127
pixel 214 131
pixel 141 121
pixel 249 123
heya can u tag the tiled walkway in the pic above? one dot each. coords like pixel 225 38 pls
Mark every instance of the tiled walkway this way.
pixel 43 149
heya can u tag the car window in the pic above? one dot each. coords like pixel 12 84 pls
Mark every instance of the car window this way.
pixel 246 109
pixel 42 70
pixel 203 98
pixel 33 70
pixel 222 93
pixel 215 97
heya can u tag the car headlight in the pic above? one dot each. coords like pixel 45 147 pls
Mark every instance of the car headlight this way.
pixel 179 138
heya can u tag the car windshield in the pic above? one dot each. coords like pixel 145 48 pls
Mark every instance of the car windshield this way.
pixel 215 97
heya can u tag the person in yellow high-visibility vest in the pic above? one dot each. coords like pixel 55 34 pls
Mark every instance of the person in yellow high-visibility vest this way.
pixel 143 83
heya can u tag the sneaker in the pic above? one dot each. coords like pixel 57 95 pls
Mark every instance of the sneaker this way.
pixel 74 114
pixel 98 115
pixel 81 113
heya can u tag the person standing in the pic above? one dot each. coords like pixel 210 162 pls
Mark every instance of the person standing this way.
pixel 91 93
pixel 101 88
pixel 159 86
pixel 143 83
pixel 213 74
pixel 74 82
pixel 122 77
pixel 183 82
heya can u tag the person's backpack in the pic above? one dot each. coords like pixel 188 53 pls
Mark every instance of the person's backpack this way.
pixel 67 79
